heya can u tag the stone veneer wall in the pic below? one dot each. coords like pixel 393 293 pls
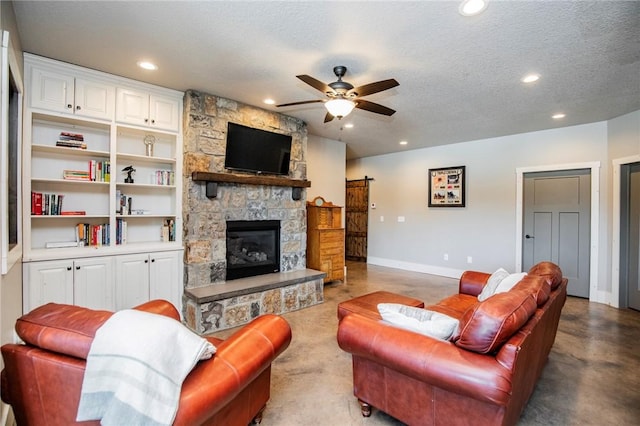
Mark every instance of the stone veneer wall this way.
pixel 206 118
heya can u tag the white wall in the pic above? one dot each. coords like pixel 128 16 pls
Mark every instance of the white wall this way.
pixel 326 159
pixel 485 228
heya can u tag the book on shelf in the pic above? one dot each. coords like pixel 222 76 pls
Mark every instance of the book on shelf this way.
pixel 167 231
pixel 99 171
pixel 93 235
pixel 121 231
pixel 44 204
pixel 60 244
pixel 73 213
pixel 75 174
pixel 71 136
pixel 71 144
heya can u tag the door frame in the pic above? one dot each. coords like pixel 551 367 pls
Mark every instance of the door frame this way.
pixel 615 233
pixel 594 166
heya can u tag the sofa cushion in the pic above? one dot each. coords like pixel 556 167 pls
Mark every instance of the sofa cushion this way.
pixel 419 320
pixel 549 271
pixel 490 288
pixel 536 286
pixel 487 325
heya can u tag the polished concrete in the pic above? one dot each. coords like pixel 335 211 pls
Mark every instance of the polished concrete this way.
pixel 592 377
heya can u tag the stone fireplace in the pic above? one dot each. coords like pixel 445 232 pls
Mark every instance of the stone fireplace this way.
pixel 208 306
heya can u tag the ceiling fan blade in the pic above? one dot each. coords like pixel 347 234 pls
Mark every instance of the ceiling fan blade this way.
pixel 328 117
pixel 300 103
pixel 316 84
pixel 374 107
pixel 376 87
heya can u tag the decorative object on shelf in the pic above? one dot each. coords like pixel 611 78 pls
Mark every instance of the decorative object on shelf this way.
pixel 149 140
pixel 320 202
pixel 128 170
pixel 447 187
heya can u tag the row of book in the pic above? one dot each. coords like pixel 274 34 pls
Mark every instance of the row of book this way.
pixel 98 171
pixel 168 232
pixel 71 140
pixel 46 204
pixel 123 203
pixel 165 177
pixel 93 235
pixel 121 231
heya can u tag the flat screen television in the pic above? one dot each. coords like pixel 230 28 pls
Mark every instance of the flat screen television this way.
pixel 256 150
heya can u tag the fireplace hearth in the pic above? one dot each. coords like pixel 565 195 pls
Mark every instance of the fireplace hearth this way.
pixel 253 248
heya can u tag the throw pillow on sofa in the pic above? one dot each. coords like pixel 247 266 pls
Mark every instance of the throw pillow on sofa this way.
pixel 492 283
pixel 419 320
pixel 509 282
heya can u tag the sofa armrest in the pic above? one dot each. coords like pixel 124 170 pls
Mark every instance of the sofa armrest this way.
pixel 439 363
pixel 472 282
pixel 237 362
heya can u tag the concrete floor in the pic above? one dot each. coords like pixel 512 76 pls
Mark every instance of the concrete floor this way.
pixel 592 378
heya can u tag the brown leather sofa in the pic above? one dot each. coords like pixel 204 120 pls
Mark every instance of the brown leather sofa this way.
pixel 42 378
pixel 483 376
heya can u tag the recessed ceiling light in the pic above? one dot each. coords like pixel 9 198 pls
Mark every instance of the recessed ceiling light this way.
pixel 404 143
pixel 348 126
pixel 558 116
pixel 269 101
pixel 530 78
pixel 472 7
pixel 147 65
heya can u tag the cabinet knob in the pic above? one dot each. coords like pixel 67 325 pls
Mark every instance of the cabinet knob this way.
pixel 146 261
pixel 69 106
pixel 146 120
pixel 77 268
pixel 68 268
pixel 153 260
pixel 78 108
pixel 153 121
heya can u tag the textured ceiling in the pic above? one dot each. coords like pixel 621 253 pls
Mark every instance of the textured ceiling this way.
pixel 459 77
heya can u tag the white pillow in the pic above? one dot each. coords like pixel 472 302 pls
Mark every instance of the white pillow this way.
pixel 419 320
pixel 490 288
pixel 507 283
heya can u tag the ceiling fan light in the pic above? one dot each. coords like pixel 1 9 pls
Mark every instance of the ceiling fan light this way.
pixel 339 107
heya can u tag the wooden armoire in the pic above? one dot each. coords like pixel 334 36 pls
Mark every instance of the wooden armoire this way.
pixel 325 239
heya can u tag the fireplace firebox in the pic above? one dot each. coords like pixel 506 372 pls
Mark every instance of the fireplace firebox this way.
pixel 253 248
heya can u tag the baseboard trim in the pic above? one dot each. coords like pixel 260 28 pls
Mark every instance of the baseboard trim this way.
pixel 416 267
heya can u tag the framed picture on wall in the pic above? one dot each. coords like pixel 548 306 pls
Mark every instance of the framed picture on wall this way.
pixel 447 187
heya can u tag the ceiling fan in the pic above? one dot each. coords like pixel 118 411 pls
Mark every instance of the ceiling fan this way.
pixel 343 97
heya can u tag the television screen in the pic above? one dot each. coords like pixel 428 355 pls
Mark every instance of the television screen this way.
pixel 257 150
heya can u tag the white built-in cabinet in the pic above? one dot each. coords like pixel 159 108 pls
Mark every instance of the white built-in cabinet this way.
pixel 115 116
pixel 85 282
pixel 149 110
pixel 141 277
pixel 62 92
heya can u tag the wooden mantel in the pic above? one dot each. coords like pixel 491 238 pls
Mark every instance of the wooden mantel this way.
pixel 212 180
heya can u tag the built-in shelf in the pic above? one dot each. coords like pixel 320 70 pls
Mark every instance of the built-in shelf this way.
pixel 212 179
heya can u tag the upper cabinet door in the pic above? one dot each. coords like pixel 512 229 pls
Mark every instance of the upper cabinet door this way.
pixel 93 99
pixel 164 113
pixel 52 91
pixel 144 109
pixel 132 107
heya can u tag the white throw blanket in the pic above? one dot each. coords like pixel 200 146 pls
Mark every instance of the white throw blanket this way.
pixel 135 369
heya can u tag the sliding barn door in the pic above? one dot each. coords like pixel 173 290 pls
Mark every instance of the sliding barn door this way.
pixel 357 219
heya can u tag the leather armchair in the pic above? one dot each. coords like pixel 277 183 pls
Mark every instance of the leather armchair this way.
pixel 42 379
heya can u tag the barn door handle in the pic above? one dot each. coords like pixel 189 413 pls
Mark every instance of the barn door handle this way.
pixel 529 236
